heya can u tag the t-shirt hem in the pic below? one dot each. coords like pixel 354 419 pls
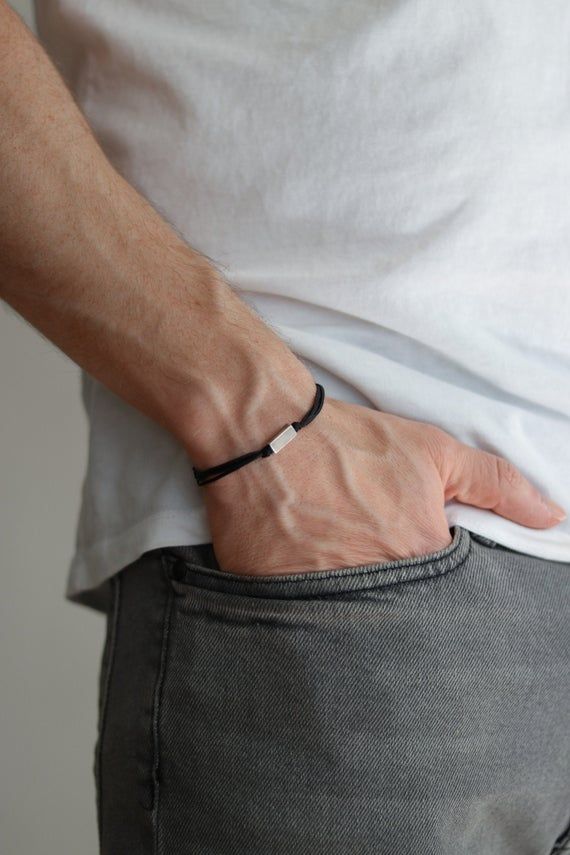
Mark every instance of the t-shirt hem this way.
pixel 92 567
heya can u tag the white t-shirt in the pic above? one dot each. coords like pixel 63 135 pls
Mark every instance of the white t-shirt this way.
pixel 387 183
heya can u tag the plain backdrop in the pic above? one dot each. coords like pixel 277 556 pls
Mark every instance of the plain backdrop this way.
pixel 49 648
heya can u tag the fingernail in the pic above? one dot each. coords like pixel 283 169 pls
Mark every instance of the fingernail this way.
pixel 555 510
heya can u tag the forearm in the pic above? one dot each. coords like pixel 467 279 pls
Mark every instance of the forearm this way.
pixel 91 264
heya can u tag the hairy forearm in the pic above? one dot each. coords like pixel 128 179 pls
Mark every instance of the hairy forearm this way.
pixel 90 263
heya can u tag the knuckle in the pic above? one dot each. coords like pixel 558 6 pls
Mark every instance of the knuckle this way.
pixel 438 443
pixel 508 476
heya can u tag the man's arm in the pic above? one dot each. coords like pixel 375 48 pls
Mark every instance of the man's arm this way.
pixel 87 261
pixel 90 263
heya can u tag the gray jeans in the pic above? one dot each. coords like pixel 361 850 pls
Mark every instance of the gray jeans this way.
pixel 417 707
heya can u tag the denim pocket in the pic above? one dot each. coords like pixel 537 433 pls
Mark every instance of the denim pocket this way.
pixel 321 583
pixel 383 708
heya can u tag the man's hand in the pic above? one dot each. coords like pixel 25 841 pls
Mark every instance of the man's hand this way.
pixel 359 486
pixel 90 263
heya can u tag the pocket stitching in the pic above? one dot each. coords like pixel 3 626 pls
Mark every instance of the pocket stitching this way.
pixel 312 598
pixel 444 563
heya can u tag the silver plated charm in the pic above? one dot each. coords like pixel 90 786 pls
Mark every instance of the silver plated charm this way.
pixel 282 439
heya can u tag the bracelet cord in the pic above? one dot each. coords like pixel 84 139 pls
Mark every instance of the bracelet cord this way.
pixel 213 473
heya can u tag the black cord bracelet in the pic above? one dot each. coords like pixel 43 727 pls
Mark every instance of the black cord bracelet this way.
pixel 283 438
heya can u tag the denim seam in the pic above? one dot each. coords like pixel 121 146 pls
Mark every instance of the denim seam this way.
pixel 358 571
pixel 323 597
pixel 105 700
pixel 157 704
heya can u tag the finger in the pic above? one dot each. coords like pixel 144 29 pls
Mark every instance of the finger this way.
pixel 488 481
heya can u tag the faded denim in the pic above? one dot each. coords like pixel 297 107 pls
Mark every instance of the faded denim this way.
pixel 412 707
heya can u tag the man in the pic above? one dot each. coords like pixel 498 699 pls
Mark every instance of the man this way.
pixel 357 642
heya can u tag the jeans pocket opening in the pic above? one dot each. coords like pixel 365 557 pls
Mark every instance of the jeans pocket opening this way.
pixel 185 574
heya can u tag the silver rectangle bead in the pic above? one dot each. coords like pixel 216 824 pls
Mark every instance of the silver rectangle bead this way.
pixel 282 439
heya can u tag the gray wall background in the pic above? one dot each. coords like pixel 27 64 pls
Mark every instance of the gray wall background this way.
pixel 49 649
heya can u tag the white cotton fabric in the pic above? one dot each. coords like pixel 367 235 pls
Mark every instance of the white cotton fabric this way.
pixel 386 182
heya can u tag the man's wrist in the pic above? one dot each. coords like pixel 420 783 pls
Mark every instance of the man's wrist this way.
pixel 229 418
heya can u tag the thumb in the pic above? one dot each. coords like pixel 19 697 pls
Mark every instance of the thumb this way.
pixel 486 480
